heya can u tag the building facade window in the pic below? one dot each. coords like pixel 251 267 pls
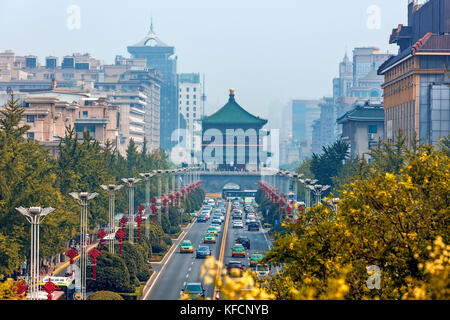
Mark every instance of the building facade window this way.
pixel 30 118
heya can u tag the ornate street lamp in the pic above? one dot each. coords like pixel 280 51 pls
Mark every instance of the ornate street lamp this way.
pixel 111 189
pixel 34 215
pixel 318 189
pixel 83 198
pixel 130 182
pixel 307 182
pixel 123 221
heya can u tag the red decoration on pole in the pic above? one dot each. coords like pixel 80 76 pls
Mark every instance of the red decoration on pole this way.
pixel 124 221
pixel 72 253
pixel 154 209
pixel 101 234
pixel 94 254
pixel 139 220
pixel 21 288
pixel 140 209
pixel 120 234
pixel 50 287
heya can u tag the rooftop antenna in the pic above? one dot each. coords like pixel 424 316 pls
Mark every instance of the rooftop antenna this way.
pixel 151 25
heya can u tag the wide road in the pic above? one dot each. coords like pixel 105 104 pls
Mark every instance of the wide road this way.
pixel 182 268
pixel 259 241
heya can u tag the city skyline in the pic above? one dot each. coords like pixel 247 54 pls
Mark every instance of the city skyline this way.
pixel 218 40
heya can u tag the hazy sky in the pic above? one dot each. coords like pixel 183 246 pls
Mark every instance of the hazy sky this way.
pixel 269 51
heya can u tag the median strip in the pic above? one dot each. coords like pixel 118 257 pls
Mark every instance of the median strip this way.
pixel 222 250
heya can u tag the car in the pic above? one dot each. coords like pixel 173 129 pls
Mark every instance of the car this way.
pixel 253 226
pixel 202 252
pixel 186 247
pixel 235 268
pixel 216 225
pixel 216 220
pixel 245 241
pixel 194 290
pixel 255 258
pixel 262 270
pixel 238 250
pixel 194 214
pixel 238 224
pixel 212 230
pixel 201 218
pixel 236 217
pixel 209 238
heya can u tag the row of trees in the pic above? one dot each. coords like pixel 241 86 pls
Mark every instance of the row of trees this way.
pixel 388 238
pixel 29 176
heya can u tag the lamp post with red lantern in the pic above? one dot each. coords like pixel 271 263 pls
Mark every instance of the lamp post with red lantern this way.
pixel 83 198
pixel 130 182
pixel 111 189
pixel 123 221
pixel 34 215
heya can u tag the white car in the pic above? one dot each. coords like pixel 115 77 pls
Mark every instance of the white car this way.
pixel 262 271
pixel 238 224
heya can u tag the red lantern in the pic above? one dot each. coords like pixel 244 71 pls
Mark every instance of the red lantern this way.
pixel 140 209
pixel 124 221
pixel 120 234
pixel 21 288
pixel 154 209
pixel 94 254
pixel 171 196
pixel 102 234
pixel 49 287
pixel 139 220
pixel 72 254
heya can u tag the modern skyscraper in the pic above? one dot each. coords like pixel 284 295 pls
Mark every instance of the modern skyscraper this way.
pixel 161 57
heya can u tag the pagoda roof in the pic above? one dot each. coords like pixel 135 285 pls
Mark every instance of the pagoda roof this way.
pixel 366 112
pixel 233 114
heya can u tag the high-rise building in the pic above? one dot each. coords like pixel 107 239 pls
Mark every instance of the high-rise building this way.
pixel 324 128
pixel 190 94
pixel 304 112
pixel 161 57
pixel 417 80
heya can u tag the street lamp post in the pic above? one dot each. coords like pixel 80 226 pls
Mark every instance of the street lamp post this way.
pixel 111 189
pixel 307 183
pixel 83 198
pixel 34 215
pixel 130 182
pixel 147 176
pixel 318 189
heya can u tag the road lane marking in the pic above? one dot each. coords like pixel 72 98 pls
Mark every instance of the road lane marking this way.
pixel 158 273
pixel 222 248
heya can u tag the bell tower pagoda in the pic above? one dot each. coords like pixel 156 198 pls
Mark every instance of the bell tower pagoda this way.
pixel 231 139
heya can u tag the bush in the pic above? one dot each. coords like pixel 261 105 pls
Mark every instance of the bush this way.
pixel 104 295
pixel 112 275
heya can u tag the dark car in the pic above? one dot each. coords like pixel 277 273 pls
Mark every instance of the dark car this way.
pixel 201 218
pixel 245 241
pixel 235 268
pixel 236 217
pixel 194 290
pixel 203 252
pixel 253 226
